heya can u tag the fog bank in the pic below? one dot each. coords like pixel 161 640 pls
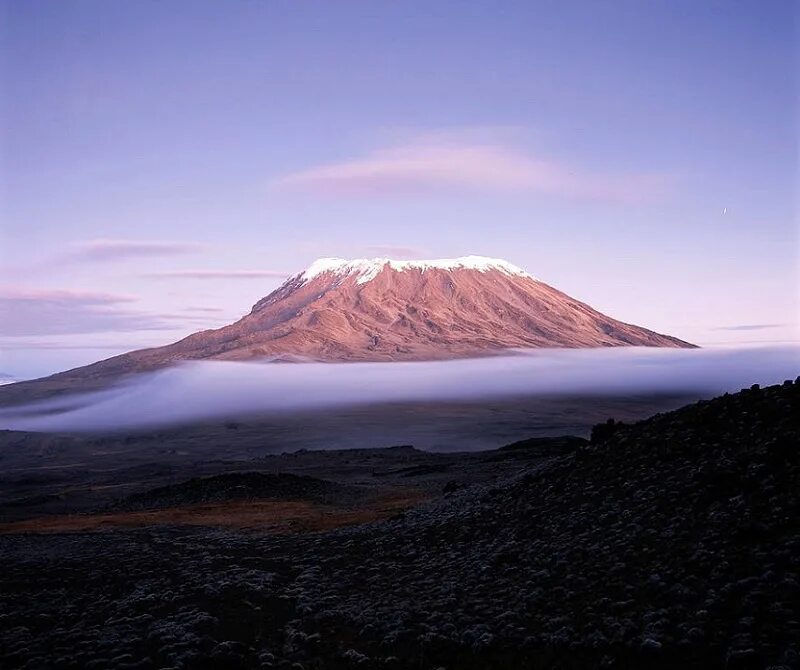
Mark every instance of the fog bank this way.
pixel 203 390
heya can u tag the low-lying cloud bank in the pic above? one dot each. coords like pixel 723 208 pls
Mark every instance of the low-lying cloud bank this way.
pixel 200 391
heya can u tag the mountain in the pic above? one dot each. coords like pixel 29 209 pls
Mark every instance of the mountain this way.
pixel 387 310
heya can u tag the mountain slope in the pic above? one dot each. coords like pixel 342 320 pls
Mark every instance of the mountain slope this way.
pixel 383 310
pixel 671 543
pixel 402 310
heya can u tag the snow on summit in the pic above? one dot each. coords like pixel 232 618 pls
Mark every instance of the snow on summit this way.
pixel 367 269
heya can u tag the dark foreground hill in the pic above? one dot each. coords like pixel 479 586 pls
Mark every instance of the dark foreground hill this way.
pixel 240 486
pixel 674 542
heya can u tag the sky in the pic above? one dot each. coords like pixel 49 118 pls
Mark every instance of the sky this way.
pixel 163 165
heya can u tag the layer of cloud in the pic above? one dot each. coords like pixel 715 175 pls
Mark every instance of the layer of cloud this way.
pixel 752 326
pixel 28 344
pixel 199 391
pixel 446 165
pixel 217 274
pixel 395 252
pixel 105 250
pixel 11 294
pixel 26 312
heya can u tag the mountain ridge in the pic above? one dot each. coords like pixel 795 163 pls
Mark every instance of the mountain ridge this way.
pixel 387 310
pixel 380 309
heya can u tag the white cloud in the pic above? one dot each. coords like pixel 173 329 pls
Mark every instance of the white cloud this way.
pixel 218 274
pixel 395 252
pixel 27 312
pixel 104 250
pixel 446 164
pixel 206 390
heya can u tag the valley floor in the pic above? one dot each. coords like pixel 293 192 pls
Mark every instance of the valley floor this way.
pixel 671 542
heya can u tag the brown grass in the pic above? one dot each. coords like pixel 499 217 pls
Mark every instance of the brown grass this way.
pixel 267 515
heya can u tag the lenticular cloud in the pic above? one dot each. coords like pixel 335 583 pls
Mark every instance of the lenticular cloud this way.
pixel 205 390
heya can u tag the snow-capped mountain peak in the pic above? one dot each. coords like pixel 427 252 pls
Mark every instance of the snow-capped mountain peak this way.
pixel 367 269
pixel 387 310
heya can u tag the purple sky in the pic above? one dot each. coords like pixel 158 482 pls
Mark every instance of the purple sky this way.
pixel 165 163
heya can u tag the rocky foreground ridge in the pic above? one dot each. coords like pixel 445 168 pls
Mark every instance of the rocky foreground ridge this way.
pixel 673 542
